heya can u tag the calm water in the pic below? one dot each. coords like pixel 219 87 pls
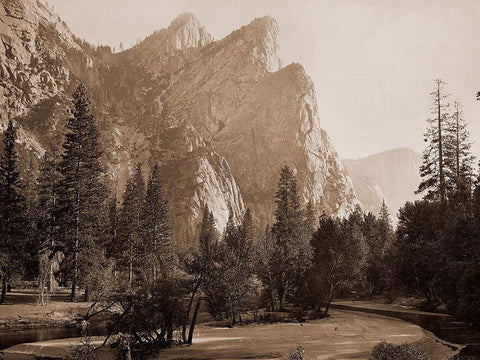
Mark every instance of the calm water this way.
pixel 10 338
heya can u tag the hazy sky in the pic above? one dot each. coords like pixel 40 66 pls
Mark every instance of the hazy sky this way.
pixel 372 61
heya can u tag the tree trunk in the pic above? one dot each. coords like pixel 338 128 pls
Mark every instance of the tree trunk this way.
pixel 281 296
pixel 75 250
pixel 128 354
pixel 440 146
pixel 169 329
pixel 194 320
pixel 73 296
pixel 4 289
pixel 330 298
pixel 189 309
pixel 86 294
pixel 272 300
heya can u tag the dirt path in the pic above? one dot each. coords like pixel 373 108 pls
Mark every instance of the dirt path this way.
pixel 345 335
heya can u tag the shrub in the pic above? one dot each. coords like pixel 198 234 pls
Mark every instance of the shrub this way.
pixel 84 351
pixel 297 355
pixel 387 351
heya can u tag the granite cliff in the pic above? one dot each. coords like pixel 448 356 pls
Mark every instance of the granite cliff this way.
pixel 221 117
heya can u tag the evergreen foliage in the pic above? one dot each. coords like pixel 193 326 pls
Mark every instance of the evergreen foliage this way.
pixel 50 241
pixel 459 160
pixel 130 227
pixel 432 171
pixel 12 212
pixel 293 253
pixel 157 235
pixel 82 193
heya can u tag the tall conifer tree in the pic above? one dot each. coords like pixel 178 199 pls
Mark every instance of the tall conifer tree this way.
pixel 157 241
pixel 12 208
pixel 459 160
pixel 130 226
pixel 47 226
pixel 432 171
pixel 83 194
pixel 293 252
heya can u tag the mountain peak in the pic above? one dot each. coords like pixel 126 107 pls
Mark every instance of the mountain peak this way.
pixel 158 52
pixel 185 31
pixel 183 19
pixel 266 21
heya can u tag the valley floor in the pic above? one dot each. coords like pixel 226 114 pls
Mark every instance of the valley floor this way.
pixel 21 311
pixel 344 335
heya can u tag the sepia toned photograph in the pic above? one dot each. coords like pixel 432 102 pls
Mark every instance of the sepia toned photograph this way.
pixel 228 180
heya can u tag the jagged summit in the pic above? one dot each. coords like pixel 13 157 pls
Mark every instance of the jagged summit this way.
pixel 260 39
pixel 159 52
pixel 186 31
pixel 220 117
pixel 184 19
pixel 265 23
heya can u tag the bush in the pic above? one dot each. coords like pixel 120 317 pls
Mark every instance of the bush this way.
pixel 469 300
pixel 387 351
pixel 272 317
pixel 297 355
pixel 84 351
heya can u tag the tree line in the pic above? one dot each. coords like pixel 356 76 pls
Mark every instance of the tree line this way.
pixel 69 228
pixel 438 238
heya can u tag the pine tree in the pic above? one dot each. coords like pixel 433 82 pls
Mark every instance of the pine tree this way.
pixel 130 227
pixel 265 263
pixel 208 238
pixel 247 229
pixel 31 250
pixel 157 242
pixel 384 214
pixel 47 226
pixel 229 286
pixel 12 208
pixel 292 247
pixel 83 194
pixel 433 169
pixel 459 159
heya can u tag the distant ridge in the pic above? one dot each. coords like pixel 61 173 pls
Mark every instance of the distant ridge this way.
pixel 392 175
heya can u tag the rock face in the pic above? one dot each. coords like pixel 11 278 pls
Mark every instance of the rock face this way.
pixel 278 124
pixel 391 175
pixel 34 42
pixel 220 117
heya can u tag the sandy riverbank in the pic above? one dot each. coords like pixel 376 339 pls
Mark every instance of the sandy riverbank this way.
pixel 344 335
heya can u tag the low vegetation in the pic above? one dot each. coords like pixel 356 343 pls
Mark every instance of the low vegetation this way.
pixel 387 351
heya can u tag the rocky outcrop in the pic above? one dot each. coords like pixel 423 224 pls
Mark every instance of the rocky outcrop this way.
pixel 220 117
pixel 276 125
pixel 392 176
pixel 260 117
pixel 209 90
pixel 33 49
pixel 168 50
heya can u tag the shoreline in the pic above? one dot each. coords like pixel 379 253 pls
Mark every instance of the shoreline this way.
pixel 344 333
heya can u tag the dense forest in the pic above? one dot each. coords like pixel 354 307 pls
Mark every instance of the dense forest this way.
pixel 70 227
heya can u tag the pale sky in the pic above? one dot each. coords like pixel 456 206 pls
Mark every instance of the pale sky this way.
pixel 372 61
